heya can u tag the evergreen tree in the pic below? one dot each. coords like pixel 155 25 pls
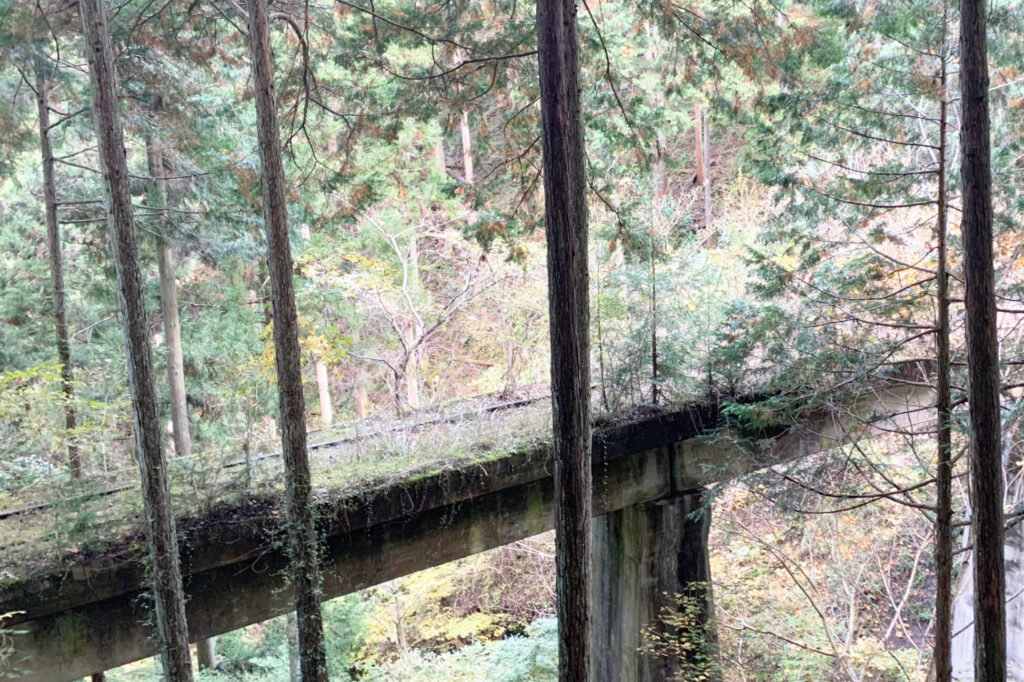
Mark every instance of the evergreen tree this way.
pixel 303 542
pixel 42 67
pixel 982 349
pixel 168 593
pixel 565 218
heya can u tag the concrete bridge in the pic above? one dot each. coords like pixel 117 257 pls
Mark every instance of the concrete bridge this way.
pixel 649 474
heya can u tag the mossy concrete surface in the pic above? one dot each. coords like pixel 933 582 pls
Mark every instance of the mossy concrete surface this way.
pixel 96 616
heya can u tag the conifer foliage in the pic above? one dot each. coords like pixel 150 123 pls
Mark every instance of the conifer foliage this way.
pixel 343 200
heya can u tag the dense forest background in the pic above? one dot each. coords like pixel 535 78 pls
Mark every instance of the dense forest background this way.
pixel 765 181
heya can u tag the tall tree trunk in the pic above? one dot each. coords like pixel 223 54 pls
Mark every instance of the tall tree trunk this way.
pixel 706 171
pixel 440 159
pixel 467 147
pixel 401 639
pixel 698 141
pixel 659 178
pixel 362 395
pixel 412 380
pixel 301 529
pixel 323 381
pixel 169 304
pixel 702 145
pixel 982 350
pixel 414 286
pixel 180 433
pixel 56 267
pixel 565 212
pixel 659 188
pixel 943 477
pixel 175 356
pixel 600 345
pixel 168 595
pixel 654 321
pixel 323 388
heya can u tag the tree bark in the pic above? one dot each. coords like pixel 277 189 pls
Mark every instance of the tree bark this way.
pixel 362 395
pixel 654 321
pixel 698 140
pixel 467 147
pixel 411 370
pixel 412 380
pixel 565 210
pixel 323 381
pixel 323 387
pixel 180 433
pixel 440 159
pixel 705 159
pixel 301 529
pixel 169 307
pixel 175 356
pixel 168 595
pixel 56 268
pixel 982 349
pixel 659 178
pixel 944 473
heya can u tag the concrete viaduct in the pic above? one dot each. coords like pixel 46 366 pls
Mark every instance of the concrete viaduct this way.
pixel 649 474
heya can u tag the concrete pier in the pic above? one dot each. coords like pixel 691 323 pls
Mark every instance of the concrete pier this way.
pixel 648 558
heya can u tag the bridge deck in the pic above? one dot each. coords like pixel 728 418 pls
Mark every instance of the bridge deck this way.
pixel 54 525
pixel 91 613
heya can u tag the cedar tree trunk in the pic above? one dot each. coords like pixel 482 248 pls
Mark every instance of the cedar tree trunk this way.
pixel 323 388
pixel 943 478
pixel 467 147
pixel 56 266
pixel 982 350
pixel 169 307
pixel 168 595
pixel 565 213
pixel 301 528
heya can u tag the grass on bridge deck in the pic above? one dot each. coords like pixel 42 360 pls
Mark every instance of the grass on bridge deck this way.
pixel 56 523
pixel 52 524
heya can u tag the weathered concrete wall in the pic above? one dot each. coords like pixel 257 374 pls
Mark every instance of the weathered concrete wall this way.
pixel 95 616
pixel 111 631
pixel 644 557
pixel 963 612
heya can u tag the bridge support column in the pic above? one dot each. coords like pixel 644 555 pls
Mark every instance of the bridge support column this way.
pixel 651 561
pixel 206 653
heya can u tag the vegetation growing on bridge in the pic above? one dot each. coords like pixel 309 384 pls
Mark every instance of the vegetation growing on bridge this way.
pixel 43 532
pixel 784 199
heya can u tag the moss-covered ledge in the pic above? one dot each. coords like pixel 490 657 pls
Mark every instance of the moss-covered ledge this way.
pixel 94 616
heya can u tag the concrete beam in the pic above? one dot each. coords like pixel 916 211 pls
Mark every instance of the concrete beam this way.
pixel 111 631
pixel 95 615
